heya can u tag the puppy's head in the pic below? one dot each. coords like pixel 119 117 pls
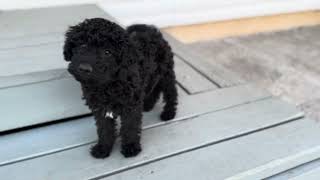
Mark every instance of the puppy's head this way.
pixel 94 49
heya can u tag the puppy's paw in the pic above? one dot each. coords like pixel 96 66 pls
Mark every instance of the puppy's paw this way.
pixel 130 150
pixel 167 115
pixel 100 151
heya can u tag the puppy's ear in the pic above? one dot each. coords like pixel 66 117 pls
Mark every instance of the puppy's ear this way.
pixel 68 46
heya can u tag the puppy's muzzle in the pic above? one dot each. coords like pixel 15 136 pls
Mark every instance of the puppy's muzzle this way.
pixel 85 68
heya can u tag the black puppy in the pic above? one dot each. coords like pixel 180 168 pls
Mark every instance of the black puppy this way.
pixel 122 72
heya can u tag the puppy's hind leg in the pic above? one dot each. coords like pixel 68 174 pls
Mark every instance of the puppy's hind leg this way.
pixel 106 135
pixel 170 96
pixel 152 98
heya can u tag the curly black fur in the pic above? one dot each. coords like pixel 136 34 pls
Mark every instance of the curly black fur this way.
pixel 122 71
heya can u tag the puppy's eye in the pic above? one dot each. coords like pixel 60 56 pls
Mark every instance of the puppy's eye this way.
pixel 107 52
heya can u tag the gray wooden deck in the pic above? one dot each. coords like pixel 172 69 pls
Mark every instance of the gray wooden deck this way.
pixel 225 128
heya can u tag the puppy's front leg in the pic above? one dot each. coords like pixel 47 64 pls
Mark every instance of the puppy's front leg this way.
pixel 130 131
pixel 106 134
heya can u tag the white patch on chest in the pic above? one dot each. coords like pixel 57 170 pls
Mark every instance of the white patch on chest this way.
pixel 109 114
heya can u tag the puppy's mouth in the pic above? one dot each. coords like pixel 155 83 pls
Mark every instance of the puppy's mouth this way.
pixel 79 76
pixel 85 68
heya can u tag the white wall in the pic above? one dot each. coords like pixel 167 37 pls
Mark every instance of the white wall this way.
pixel 165 13
pixel 27 4
pixel 180 12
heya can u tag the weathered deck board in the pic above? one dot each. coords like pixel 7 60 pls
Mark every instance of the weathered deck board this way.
pixel 227 159
pixel 200 132
pixel 31 40
pixel 40 102
pixel 206 102
pixel 285 46
pixel 41 50
pixel 44 20
pixel 280 165
pixel 243 62
pixel 190 79
pixel 32 59
pixel 214 71
pixel 35 77
pixel 311 175
pixel 310 34
pixel 296 171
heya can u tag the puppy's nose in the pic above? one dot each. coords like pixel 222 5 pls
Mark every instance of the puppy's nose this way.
pixel 85 68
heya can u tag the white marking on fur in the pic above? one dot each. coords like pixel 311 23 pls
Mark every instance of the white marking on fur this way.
pixel 109 114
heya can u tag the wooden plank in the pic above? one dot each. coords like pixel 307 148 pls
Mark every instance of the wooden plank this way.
pixel 36 77
pixel 301 168
pixel 243 27
pixel 51 24
pixel 32 59
pixel 41 102
pixel 215 72
pixel 44 20
pixel 224 160
pixel 312 34
pixel 214 127
pixel 31 40
pixel 279 165
pixel 239 59
pixel 285 46
pixel 223 99
pixel 50 139
pixel 32 51
pixel 32 65
pixel 305 53
pixel 311 175
pixel 190 79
